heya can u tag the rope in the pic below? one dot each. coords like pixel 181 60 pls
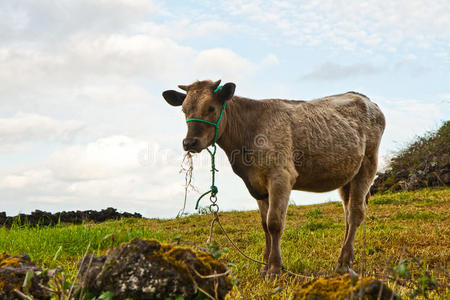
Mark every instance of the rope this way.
pixel 216 219
pixel 213 189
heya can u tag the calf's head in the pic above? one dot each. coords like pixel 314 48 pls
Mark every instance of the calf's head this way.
pixel 204 101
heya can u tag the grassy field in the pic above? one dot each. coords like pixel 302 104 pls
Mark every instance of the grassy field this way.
pixel 400 228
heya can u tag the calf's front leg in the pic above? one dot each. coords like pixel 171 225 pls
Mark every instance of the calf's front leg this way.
pixel 279 187
pixel 263 208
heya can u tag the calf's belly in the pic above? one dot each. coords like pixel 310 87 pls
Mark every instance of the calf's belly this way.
pixel 320 177
pixel 320 185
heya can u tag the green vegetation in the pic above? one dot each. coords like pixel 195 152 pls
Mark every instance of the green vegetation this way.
pixel 423 163
pixel 432 147
pixel 418 220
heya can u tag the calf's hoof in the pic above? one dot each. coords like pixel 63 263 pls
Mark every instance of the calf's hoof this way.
pixel 272 276
pixel 346 269
pixel 342 269
pixel 273 273
pixel 263 271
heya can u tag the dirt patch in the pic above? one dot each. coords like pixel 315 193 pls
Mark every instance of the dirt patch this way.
pixel 43 218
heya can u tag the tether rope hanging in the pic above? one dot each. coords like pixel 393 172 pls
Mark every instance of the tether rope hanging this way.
pixel 213 190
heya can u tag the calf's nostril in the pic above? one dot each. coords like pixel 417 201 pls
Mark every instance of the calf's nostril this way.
pixel 188 143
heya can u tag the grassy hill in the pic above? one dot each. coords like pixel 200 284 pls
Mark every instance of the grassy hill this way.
pixel 425 162
pixel 409 228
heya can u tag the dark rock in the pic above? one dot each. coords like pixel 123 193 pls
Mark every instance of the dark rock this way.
pixel 403 174
pixel 147 269
pixel 345 287
pixel 42 218
pixel 13 270
pixel 376 289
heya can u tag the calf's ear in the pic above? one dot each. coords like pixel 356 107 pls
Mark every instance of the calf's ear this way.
pixel 226 92
pixel 174 98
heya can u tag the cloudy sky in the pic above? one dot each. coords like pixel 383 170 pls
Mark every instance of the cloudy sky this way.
pixel 83 124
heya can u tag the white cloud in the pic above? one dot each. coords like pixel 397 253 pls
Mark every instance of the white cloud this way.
pixel 349 24
pixel 24 68
pixel 12 20
pixel 270 60
pixel 410 64
pixel 113 91
pixel 103 158
pixel 333 71
pixel 37 178
pixel 181 29
pixel 105 172
pixel 127 55
pixel 445 97
pixel 14 182
pixel 222 63
pixel 25 127
pixel 13 148
pixel 406 119
pixel 110 61
pixel 441 54
pixel 49 20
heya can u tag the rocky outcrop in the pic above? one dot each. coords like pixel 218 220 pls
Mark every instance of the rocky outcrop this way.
pixel 424 163
pixel 13 270
pixel 43 218
pixel 431 175
pixel 148 269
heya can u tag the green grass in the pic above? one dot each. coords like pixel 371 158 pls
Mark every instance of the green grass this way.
pixel 418 220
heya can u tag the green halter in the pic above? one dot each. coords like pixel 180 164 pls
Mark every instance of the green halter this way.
pixel 216 125
pixel 213 190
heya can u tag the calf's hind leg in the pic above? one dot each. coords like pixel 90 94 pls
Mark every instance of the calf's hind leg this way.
pixel 344 193
pixel 355 209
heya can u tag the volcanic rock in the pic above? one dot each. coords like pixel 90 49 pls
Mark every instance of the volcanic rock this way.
pixel 148 269
pixel 344 287
pixel 13 270
pixel 43 218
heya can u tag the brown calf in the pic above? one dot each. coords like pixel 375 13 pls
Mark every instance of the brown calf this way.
pixel 279 145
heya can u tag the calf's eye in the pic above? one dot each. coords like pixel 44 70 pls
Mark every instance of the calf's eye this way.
pixel 211 109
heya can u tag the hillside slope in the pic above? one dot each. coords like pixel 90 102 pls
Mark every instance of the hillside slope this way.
pixel 399 226
pixel 423 163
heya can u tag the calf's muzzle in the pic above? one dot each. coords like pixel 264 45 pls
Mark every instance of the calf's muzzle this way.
pixel 189 144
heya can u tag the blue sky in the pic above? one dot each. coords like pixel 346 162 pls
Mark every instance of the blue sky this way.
pixel 83 124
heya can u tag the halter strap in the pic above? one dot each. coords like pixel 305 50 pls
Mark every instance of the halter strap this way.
pixel 216 125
